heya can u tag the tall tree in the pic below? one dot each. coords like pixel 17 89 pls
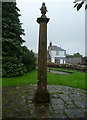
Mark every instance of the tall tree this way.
pixel 11 40
pixel 11 25
pixel 12 50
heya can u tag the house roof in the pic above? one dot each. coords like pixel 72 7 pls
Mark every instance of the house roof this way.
pixel 55 48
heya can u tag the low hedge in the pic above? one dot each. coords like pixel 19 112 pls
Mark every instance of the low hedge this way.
pixel 68 66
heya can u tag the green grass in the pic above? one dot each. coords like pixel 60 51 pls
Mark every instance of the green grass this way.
pixel 76 79
pixel 28 78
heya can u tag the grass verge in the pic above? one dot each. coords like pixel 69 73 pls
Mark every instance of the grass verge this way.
pixel 75 79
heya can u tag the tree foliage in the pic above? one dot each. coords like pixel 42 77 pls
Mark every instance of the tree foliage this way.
pixel 13 53
pixel 74 55
pixel 79 4
pixel 28 58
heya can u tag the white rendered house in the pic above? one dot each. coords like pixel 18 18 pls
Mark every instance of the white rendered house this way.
pixel 57 54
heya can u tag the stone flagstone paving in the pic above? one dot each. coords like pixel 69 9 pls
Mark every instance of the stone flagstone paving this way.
pixel 66 102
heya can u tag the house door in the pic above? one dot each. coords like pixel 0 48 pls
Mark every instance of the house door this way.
pixel 57 60
pixel 61 61
pixel 53 60
pixel 64 61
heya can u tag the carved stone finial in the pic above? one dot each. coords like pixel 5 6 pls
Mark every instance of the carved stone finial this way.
pixel 43 10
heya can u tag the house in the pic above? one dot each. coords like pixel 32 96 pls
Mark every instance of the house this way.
pixel 57 54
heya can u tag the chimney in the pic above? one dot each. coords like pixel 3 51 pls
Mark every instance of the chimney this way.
pixel 50 44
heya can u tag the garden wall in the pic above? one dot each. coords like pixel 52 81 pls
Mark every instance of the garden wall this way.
pixel 74 60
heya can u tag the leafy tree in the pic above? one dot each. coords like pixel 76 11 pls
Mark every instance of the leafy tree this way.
pixel 28 58
pixel 13 53
pixel 74 55
pixel 77 55
pixel 68 55
pixel 79 4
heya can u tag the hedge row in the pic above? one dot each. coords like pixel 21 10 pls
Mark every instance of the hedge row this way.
pixel 68 66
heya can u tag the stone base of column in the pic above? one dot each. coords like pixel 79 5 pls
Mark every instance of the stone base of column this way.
pixel 42 97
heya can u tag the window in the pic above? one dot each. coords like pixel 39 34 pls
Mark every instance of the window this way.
pixel 57 52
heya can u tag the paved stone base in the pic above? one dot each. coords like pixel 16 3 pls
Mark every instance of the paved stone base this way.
pixel 65 102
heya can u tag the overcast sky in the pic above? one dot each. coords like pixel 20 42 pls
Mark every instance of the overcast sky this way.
pixel 66 27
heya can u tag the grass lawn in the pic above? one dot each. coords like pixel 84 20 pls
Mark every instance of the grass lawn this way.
pixel 76 79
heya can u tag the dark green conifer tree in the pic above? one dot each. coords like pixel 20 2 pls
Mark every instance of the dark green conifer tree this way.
pixel 12 49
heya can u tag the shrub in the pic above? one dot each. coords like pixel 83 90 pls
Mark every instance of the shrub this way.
pixel 68 66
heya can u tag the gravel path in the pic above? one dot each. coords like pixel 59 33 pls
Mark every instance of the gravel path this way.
pixel 59 72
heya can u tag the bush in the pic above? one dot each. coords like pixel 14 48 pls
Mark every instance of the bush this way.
pixel 68 66
pixel 12 68
pixel 28 59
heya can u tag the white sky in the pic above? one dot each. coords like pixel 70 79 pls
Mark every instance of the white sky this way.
pixel 66 27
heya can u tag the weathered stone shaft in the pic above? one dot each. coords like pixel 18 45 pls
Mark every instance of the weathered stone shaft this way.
pixel 42 57
pixel 42 54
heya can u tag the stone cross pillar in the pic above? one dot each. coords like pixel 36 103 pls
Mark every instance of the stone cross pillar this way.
pixel 42 95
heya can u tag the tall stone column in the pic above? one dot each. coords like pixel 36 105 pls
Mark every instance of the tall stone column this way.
pixel 42 95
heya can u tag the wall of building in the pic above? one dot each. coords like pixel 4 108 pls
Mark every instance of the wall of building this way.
pixel 74 60
pixel 57 54
pixel 60 60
